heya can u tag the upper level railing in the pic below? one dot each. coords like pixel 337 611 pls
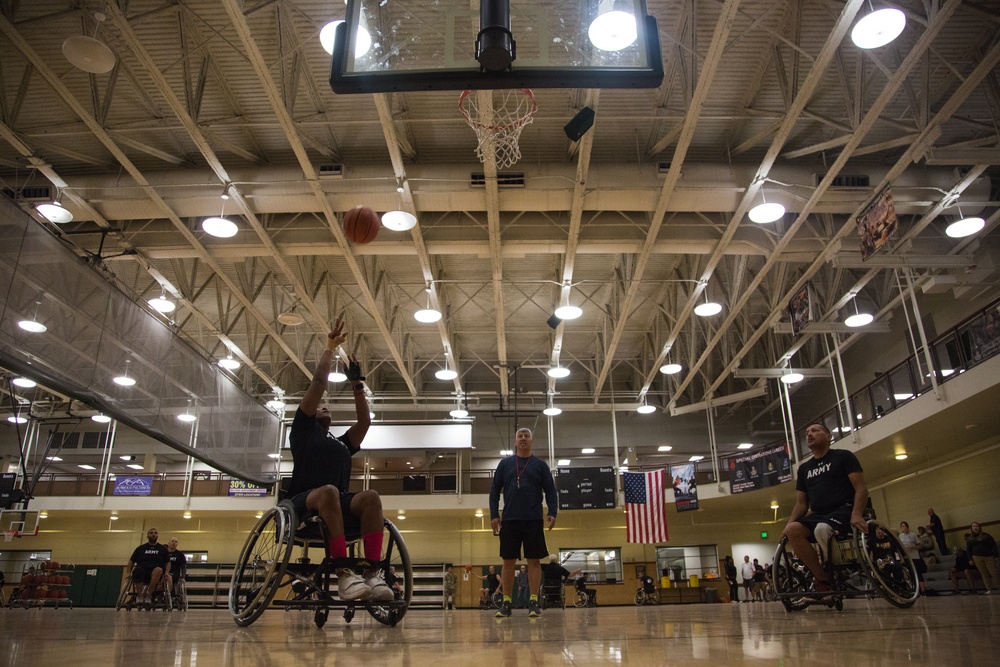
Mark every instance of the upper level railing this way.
pixel 970 343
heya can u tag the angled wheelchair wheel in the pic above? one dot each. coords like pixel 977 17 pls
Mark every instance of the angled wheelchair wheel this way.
pixel 395 555
pixel 580 599
pixel 653 598
pixel 496 599
pixel 792 579
pixel 126 598
pixel 640 598
pixel 180 596
pixel 262 564
pixel 888 567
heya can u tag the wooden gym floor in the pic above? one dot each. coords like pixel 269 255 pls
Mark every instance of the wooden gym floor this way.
pixel 944 630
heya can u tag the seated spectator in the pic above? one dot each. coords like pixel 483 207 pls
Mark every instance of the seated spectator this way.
pixel 963 565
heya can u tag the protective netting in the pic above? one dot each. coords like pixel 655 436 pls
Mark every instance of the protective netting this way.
pixel 93 328
pixel 497 117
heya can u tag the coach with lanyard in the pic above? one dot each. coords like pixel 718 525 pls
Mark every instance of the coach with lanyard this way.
pixel 522 479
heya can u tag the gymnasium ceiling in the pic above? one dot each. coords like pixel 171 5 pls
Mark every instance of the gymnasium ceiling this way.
pixel 637 223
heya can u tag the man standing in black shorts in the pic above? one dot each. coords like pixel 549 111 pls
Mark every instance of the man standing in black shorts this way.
pixel 522 479
pixel 322 474
pixel 149 563
pixel 832 484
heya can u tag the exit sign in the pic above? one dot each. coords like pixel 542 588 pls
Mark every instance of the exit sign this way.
pixel 763 534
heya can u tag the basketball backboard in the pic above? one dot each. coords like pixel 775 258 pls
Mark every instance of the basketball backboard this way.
pixel 18 523
pixel 396 45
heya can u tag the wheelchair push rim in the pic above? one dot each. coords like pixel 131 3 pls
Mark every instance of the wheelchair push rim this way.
pixel 893 576
pixel 262 565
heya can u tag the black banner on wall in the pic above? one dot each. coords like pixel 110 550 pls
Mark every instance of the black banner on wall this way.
pixel 586 488
pixel 760 469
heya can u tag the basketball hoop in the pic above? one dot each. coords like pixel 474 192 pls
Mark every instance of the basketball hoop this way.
pixel 8 537
pixel 498 125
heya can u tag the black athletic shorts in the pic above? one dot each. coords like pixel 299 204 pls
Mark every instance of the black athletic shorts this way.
pixel 839 519
pixel 352 524
pixel 142 575
pixel 530 534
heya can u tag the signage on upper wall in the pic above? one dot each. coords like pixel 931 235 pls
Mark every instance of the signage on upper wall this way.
pixel 586 488
pixel 133 486
pixel 760 469
pixel 237 487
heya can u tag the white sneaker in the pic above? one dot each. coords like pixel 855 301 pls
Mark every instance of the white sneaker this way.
pixel 380 589
pixel 351 586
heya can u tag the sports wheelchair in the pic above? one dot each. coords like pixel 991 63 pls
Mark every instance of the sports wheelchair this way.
pixel 863 564
pixel 553 593
pixel 128 598
pixel 647 593
pixel 264 567
pixel 584 597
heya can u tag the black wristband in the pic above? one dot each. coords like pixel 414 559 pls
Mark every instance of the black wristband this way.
pixel 359 387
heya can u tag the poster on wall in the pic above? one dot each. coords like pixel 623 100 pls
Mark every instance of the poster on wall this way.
pixel 760 469
pixel 133 486
pixel 685 487
pixel 800 309
pixel 877 223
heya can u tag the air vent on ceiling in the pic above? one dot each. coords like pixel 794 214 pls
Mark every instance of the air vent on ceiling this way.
pixel 34 193
pixel 505 179
pixel 847 181
pixel 331 171
pixel 662 167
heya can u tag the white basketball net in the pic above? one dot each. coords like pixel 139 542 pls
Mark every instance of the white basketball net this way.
pixel 8 537
pixel 498 124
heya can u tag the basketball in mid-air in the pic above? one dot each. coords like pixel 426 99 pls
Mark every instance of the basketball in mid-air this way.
pixel 361 224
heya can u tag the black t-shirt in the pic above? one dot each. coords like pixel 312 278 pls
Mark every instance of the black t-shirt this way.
pixel 826 482
pixel 492 581
pixel 178 562
pixel 319 457
pixel 554 572
pixel 149 556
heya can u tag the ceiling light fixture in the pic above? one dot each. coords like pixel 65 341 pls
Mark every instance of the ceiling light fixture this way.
pixel 558 372
pixel 54 459
pixel 220 227
pixel 564 462
pixel 328 37
pixel 565 311
pixel 86 466
pixel 670 369
pixel 446 373
pixel 88 53
pixel 878 28
pixel 612 29
pixel 459 412
pixel 858 319
pixel 114 516
pixel 428 315
pixel 964 226
pixel 791 377
pixel 550 409
pixel 399 220
pixel 187 416
pixel 901 456
pixel 24 383
pixel 745 445
pixel 33 325
pixel 645 408
pixel 17 419
pixel 54 212
pixel 664 448
pixel 291 318
pixel 337 375
pixel 133 466
pixel 696 458
pixel 708 308
pixel 101 418
pixel 124 380
pixel 775 505
pixel 587 450
pixel 162 304
pixel 229 363
pixel 763 213
pixel 187 515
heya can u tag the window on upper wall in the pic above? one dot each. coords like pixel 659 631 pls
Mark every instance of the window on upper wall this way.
pixel 599 564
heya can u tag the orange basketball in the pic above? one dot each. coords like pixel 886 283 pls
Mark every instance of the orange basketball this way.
pixel 468 568
pixel 53 565
pixel 361 224
pixel 62 595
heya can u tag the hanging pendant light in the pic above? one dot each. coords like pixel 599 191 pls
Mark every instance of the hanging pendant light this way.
pixel 337 375
pixel 24 383
pixel 878 28
pixel 558 372
pixel 427 315
pixel 764 212
pixel 124 380
pixel 229 363
pixel 612 29
pixel 328 35
pixel 33 325
pixel 708 308
pixel 670 369
pixel 858 319
pixel 446 373
pixel 187 416
pixel 54 212
pixel 459 412
pixel 645 408
pixel 550 409
pixel 220 227
pixel 964 226
pixel 162 304
pixel 88 53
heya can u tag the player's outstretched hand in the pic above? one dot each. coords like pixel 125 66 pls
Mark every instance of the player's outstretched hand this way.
pixel 354 370
pixel 337 337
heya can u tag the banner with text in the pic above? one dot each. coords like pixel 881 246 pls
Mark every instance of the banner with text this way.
pixel 760 469
pixel 133 486
pixel 237 487
pixel 685 487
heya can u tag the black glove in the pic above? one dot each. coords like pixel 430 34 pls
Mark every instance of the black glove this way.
pixel 354 371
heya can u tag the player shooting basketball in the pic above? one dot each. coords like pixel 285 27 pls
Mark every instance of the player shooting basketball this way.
pixel 322 474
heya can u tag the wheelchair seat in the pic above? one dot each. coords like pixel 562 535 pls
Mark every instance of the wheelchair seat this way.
pixel 553 594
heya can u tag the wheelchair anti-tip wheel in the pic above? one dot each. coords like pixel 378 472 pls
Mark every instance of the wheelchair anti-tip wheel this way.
pixel 890 570
pixel 792 579
pixel 262 564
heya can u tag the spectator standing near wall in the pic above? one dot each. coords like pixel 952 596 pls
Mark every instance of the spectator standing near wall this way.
pixel 936 529
pixel 747 571
pixel 983 549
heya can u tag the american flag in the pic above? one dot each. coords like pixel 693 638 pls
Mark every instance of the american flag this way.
pixel 645 521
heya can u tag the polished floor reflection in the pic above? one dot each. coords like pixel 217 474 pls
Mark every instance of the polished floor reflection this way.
pixel 938 631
